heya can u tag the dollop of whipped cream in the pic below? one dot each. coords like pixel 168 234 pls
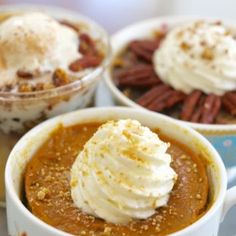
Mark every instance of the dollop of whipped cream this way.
pixel 123 173
pixel 35 43
pixel 198 55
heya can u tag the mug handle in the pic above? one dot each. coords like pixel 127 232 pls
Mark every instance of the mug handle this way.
pixel 230 200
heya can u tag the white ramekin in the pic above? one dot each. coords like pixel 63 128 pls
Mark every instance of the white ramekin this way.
pixel 20 219
pixel 223 137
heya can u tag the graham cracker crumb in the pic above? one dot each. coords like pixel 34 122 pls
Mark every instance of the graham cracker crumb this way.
pixel 42 193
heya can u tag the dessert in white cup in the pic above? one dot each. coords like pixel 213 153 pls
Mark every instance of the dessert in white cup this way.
pixel 111 148
pixel 120 171
pixel 38 42
pixel 20 220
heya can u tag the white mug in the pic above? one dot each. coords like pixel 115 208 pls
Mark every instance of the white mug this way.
pixel 21 221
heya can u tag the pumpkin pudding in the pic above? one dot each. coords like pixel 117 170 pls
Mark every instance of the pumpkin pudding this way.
pixel 117 178
pixel 187 72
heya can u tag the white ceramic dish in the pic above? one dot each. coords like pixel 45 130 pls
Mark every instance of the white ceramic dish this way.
pixel 223 137
pixel 20 220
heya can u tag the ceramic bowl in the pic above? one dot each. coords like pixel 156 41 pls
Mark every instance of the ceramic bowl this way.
pixel 22 222
pixel 223 137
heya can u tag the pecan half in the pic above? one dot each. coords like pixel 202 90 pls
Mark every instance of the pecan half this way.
pixel 144 48
pixel 85 62
pixel 152 95
pixel 190 104
pixel 142 53
pixel 140 75
pixel 159 103
pixel 211 108
pixel 24 74
pixel 174 98
pixel 135 72
pixel 228 103
pixel 196 115
pixel 87 45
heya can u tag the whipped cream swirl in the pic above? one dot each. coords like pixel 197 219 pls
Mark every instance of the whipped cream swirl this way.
pixel 198 55
pixel 123 173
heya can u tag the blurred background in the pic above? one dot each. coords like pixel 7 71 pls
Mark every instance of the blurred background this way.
pixel 114 14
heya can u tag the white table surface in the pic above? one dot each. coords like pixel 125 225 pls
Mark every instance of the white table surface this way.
pixel 103 98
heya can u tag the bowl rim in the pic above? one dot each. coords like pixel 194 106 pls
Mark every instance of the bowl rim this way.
pixel 11 193
pixel 171 19
pixel 86 78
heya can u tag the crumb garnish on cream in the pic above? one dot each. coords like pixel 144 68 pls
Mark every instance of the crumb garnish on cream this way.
pixel 199 55
pixel 123 173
